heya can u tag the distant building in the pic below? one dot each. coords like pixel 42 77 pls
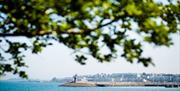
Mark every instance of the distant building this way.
pixel 84 79
pixel 112 79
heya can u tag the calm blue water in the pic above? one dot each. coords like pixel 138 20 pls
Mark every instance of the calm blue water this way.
pixel 36 86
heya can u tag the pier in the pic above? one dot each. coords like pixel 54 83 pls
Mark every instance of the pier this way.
pixel 119 84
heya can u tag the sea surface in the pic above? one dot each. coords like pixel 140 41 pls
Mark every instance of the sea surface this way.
pixel 50 86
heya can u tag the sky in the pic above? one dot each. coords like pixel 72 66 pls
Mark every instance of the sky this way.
pixel 57 61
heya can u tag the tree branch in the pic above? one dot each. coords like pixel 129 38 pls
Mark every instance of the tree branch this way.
pixel 20 34
pixel 89 30
pixel 60 32
pixel 14 34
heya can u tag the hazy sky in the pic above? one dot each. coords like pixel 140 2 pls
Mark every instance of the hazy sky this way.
pixel 57 61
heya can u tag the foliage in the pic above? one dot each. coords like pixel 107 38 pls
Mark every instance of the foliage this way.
pixel 90 26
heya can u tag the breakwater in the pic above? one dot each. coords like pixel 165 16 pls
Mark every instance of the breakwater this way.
pixel 118 84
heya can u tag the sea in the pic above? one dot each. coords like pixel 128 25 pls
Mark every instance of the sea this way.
pixel 53 86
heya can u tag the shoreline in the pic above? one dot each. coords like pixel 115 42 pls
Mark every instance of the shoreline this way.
pixel 119 84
